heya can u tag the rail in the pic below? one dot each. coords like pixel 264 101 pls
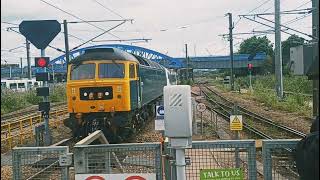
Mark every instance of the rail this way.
pixel 15 132
pixel 227 108
pixel 26 114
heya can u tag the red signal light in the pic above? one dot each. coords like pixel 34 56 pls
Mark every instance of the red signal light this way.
pixel 250 66
pixel 41 61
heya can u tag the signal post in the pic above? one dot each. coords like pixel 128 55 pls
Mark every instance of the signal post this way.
pixel 40 33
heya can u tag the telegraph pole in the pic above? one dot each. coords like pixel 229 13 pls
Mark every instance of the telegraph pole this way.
pixel 66 42
pixel 315 41
pixel 231 50
pixel 187 60
pixel 28 59
pixel 21 67
pixel 278 53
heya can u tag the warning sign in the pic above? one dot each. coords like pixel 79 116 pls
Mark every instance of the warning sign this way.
pixel 236 122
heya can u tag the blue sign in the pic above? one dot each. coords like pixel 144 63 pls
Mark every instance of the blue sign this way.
pixel 160 110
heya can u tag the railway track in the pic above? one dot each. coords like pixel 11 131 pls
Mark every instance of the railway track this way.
pixel 27 113
pixel 20 129
pixel 255 123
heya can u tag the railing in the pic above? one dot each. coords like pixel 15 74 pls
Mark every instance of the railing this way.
pixel 147 158
pixel 15 132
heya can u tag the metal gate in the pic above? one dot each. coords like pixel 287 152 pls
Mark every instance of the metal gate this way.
pixel 39 163
pixel 215 155
pixel 278 160
pixel 118 159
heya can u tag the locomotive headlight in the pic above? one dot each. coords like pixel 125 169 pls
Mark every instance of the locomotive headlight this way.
pixel 100 95
pixel 106 93
pixel 91 95
pixel 85 94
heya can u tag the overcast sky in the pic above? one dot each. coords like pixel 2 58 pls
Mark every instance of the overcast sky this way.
pixel 169 23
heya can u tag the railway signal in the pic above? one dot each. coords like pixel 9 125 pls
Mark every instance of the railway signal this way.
pixel 250 68
pixel 40 33
pixel 41 62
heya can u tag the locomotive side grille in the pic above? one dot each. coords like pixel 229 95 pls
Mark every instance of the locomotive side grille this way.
pixel 96 93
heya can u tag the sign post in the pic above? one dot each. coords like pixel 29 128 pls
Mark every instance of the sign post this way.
pixel 236 125
pixel 201 108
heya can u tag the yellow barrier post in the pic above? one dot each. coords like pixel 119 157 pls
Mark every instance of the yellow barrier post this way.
pixel 20 133
pixel 31 128
pixel 9 138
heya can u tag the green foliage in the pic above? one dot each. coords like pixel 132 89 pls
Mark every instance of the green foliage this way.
pixel 58 94
pixel 12 101
pixel 256 44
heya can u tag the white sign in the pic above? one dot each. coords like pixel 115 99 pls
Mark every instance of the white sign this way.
pixel 236 122
pixel 115 176
pixel 201 107
pixel 159 124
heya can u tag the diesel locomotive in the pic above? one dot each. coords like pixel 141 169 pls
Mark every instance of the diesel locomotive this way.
pixel 114 91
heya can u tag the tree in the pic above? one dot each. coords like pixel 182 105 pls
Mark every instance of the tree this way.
pixel 292 41
pixel 256 44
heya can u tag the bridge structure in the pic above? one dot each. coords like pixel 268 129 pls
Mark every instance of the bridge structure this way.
pixel 58 65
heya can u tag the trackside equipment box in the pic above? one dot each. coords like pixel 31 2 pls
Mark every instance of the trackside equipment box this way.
pixel 178 108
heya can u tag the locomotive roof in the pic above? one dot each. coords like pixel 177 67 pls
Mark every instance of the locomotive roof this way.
pixel 104 54
pixel 113 54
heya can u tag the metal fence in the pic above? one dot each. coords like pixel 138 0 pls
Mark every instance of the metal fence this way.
pixel 118 159
pixel 39 163
pixel 20 130
pixel 220 154
pixel 278 160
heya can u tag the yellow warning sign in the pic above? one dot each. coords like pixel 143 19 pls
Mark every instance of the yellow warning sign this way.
pixel 236 122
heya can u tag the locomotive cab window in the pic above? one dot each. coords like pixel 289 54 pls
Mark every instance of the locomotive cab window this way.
pixel 132 73
pixel 111 70
pixel 82 71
